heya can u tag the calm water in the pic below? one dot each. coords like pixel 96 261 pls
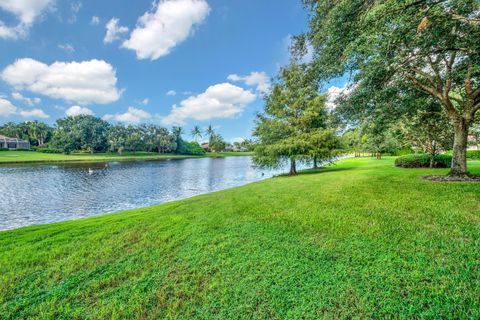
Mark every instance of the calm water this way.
pixel 37 194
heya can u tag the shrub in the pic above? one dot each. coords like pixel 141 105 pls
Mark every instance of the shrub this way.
pixel 23 149
pixel 81 151
pixel 3 149
pixel 473 154
pixel 193 148
pixel 49 150
pixel 423 161
pixel 403 152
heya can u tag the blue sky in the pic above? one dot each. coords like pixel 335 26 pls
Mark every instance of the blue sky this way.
pixel 172 62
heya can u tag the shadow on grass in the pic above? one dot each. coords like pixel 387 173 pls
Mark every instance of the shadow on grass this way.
pixel 317 171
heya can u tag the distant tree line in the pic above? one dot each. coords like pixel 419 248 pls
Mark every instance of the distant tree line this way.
pixel 91 134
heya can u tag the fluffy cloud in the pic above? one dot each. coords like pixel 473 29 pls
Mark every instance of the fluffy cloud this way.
pixel 169 23
pixel 26 12
pixel 18 96
pixel 133 115
pixel 84 82
pixel 34 113
pixel 8 109
pixel 222 100
pixel 114 31
pixel 260 80
pixel 77 110
pixel 171 93
pixel 333 93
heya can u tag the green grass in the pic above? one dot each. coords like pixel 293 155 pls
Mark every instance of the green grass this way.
pixel 38 157
pixel 361 239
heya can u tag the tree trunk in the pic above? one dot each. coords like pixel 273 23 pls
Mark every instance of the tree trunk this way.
pixel 459 161
pixel 120 151
pixel 315 165
pixel 433 153
pixel 293 167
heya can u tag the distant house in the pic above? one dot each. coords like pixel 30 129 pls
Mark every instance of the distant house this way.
pixel 13 143
pixel 473 143
pixel 205 146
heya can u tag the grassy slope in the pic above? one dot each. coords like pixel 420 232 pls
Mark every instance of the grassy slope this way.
pixel 362 239
pixel 29 156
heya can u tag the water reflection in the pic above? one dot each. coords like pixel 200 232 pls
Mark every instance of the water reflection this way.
pixel 47 193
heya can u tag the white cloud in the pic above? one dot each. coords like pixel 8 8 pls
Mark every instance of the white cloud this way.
pixel 258 79
pixel 95 21
pixel 84 82
pixel 169 23
pixel 171 93
pixel 34 113
pixel 8 109
pixel 222 100
pixel 333 93
pixel 77 110
pixel 114 31
pixel 67 47
pixel 26 12
pixel 30 101
pixel 133 115
pixel 145 101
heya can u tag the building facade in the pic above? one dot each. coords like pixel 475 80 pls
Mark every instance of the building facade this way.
pixel 13 143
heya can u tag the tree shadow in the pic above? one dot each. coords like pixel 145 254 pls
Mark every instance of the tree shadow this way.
pixel 317 171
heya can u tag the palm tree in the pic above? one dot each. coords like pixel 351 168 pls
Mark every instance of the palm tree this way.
pixel 196 133
pixel 210 132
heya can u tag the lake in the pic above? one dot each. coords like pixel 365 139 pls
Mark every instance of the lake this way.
pixel 44 193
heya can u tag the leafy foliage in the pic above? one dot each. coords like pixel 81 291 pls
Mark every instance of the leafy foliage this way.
pixel 429 46
pixel 294 124
pixel 424 161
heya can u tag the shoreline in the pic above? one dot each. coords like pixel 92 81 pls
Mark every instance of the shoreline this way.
pixel 114 158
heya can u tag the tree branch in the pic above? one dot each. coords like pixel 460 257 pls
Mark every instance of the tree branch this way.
pixel 448 75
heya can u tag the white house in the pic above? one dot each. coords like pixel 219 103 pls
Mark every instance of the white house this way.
pixel 13 143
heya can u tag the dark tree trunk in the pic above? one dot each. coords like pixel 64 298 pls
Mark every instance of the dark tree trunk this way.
pixel 293 167
pixel 459 161
pixel 315 164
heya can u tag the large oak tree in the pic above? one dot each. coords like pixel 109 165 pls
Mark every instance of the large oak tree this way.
pixel 434 45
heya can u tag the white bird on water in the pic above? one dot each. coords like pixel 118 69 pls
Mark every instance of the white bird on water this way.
pixel 90 171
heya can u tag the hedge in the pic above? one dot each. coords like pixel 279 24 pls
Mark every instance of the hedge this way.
pixel 423 161
pixel 48 150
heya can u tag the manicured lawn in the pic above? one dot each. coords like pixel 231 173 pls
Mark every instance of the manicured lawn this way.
pixel 361 239
pixel 30 156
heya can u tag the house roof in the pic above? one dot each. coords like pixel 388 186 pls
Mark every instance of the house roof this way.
pixel 5 138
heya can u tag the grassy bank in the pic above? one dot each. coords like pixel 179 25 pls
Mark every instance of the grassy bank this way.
pixel 37 157
pixel 358 240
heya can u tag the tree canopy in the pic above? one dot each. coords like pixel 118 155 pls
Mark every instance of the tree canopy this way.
pixel 293 125
pixel 432 46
